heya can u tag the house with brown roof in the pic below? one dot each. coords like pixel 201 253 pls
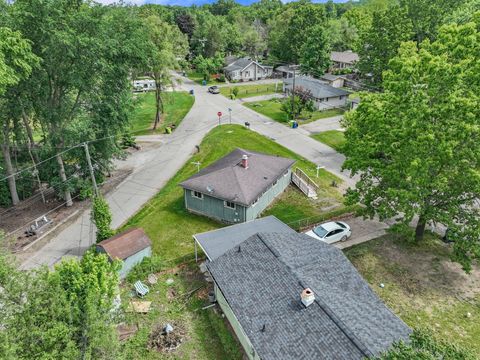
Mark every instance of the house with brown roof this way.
pixel 238 187
pixel 130 247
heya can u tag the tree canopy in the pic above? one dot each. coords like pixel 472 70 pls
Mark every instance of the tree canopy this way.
pixel 415 145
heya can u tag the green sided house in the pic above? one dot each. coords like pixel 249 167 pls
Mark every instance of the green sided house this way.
pixel 238 187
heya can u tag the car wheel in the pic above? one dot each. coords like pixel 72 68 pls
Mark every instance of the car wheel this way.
pixel 344 237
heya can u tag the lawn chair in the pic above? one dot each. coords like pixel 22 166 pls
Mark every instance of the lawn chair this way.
pixel 141 289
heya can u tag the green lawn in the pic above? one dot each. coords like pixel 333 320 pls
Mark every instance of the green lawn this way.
pixel 177 105
pixel 423 287
pixel 198 78
pixel 273 109
pixel 333 138
pixel 246 91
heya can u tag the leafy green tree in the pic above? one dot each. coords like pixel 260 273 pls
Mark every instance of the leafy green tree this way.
pixel 415 145
pixel 465 12
pixel 423 346
pixel 208 66
pixel 81 89
pixel 60 314
pixel 427 16
pixel 16 63
pixel 315 52
pixel 341 34
pixel 380 44
pixel 292 28
pixel 168 45
pixel 102 218
pixel 265 10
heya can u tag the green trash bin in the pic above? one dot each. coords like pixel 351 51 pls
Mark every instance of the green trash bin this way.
pixel 168 130
pixel 291 123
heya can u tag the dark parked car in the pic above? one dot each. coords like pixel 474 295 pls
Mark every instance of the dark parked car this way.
pixel 214 89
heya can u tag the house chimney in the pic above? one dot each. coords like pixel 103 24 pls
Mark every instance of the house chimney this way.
pixel 307 297
pixel 245 161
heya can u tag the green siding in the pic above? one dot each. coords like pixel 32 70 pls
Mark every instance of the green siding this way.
pixel 215 208
pixel 237 328
pixel 266 199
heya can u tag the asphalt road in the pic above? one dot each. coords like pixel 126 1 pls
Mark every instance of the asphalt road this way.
pixel 152 169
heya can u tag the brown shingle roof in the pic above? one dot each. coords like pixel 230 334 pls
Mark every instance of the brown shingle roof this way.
pixel 125 244
pixel 227 179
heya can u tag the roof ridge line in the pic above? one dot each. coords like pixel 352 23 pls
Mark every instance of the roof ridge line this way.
pixel 330 313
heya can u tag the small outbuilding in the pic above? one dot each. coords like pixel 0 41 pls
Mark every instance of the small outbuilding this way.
pixel 130 247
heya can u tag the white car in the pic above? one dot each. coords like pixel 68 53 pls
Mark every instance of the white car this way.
pixel 331 232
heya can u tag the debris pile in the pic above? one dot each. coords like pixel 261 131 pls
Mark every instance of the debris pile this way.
pixel 166 338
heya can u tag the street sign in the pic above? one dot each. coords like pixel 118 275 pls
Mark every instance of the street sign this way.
pixel 219 114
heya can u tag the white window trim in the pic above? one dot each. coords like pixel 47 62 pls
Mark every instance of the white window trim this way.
pixel 229 207
pixel 195 196
pixel 254 203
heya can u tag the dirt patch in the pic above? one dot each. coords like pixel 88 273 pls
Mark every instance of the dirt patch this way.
pixel 419 270
pixel 164 340
pixel 32 218
pixel 126 331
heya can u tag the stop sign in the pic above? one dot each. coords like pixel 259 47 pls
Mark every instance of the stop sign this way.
pixel 219 113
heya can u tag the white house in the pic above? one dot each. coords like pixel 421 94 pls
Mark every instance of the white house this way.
pixel 323 95
pixel 246 69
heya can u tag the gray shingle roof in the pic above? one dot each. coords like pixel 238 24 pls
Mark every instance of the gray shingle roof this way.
pixel 226 179
pixel 238 64
pixel 347 57
pixel 262 284
pixel 217 242
pixel 317 87
pixel 331 77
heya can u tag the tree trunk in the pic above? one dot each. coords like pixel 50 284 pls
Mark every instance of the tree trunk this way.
pixel 12 185
pixel 63 177
pixel 159 106
pixel 420 229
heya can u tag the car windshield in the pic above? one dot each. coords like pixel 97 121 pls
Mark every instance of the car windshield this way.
pixel 340 224
pixel 214 87
pixel 320 231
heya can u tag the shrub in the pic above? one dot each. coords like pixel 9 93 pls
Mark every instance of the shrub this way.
pixel 149 265
pixel 235 91
pixel 102 218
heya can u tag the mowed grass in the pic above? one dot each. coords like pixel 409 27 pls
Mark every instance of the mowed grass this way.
pixel 333 138
pixel 423 287
pixel 246 91
pixel 171 227
pixel 273 109
pixel 198 78
pixel 176 106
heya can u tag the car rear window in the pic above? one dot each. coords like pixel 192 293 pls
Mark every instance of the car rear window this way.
pixel 320 231
pixel 340 224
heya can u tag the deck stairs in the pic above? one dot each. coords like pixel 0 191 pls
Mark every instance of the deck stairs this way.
pixel 305 183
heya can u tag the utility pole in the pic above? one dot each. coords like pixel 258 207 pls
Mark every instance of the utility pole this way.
pixel 92 174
